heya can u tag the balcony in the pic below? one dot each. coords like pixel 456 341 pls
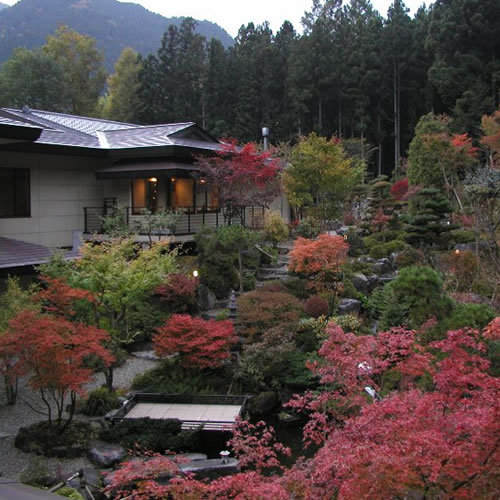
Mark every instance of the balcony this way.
pixel 190 223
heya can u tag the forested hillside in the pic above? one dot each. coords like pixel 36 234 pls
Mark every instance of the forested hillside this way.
pixel 115 25
pixel 354 72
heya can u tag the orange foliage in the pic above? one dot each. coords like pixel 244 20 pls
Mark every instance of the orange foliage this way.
pixel 322 256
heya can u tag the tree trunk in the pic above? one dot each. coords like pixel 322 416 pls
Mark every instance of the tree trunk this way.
pixel 10 390
pixel 240 268
pixel 108 376
pixel 320 114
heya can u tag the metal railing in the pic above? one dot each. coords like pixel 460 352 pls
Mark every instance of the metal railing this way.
pixel 190 222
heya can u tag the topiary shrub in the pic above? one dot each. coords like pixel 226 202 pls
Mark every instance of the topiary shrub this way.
pixel 258 311
pixel 461 236
pixel 309 333
pixel 144 317
pixel 316 306
pixel 99 402
pixel 275 227
pixel 153 435
pixel 415 296
pixel 386 249
pixel 179 293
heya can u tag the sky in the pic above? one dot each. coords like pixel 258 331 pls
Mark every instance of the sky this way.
pixel 231 14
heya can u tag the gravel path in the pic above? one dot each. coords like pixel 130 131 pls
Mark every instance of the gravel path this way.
pixel 13 461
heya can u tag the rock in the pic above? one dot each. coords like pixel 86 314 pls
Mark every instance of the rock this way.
pixel 90 477
pixel 189 457
pixel 387 278
pixel 4 435
pixel 373 282
pixel 106 454
pixel 393 259
pixel 111 414
pixel 361 283
pixel 347 306
pixel 381 266
pixel 151 355
pixel 263 403
pixel 206 299
pixel 212 468
pixel 366 260
pixel 288 419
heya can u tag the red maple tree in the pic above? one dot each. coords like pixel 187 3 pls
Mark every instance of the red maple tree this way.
pixel 325 254
pixel 399 189
pixel 53 351
pixel 198 342
pixel 244 177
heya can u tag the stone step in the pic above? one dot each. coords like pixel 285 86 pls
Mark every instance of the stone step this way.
pixel 275 277
pixel 273 270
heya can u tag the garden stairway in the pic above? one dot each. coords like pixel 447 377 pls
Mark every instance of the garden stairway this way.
pixel 277 271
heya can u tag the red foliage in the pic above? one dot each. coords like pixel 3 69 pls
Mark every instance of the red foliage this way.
pixel 463 219
pixel 179 293
pixel 256 446
pixel 199 343
pixel 53 351
pixel 245 177
pixel 322 256
pixel 463 144
pixel 316 306
pixel 381 220
pixel 60 298
pixel 399 189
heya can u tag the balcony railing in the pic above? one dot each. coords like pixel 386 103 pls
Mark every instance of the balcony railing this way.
pixel 190 221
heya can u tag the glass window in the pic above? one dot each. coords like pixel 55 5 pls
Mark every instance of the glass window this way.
pixel 183 193
pixel 144 195
pixel 15 196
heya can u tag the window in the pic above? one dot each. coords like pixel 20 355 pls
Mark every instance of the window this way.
pixel 144 195
pixel 15 195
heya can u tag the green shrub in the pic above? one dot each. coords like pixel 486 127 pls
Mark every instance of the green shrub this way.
pixel 217 273
pixel 145 318
pixel 386 249
pixel 249 281
pixel 390 382
pixel 408 257
pixel 68 492
pixel 416 295
pixel 462 236
pixel 307 228
pixel 40 438
pixel 299 288
pixel 463 315
pixel 37 473
pixel 309 333
pixel 356 246
pixel 154 435
pixel 275 227
pixel 167 378
pixel 99 402
pixel 223 315
pixel 349 323
pixel 295 372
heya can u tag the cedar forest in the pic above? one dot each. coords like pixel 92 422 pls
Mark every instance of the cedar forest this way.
pixel 370 323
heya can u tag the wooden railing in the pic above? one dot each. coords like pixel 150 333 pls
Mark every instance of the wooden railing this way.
pixel 190 222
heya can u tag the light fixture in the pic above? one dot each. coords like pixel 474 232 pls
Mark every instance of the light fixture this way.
pixel 202 181
pixel 172 179
pixel 457 251
pixel 195 273
pixel 153 179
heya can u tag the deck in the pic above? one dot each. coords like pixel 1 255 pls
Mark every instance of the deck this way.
pixel 214 413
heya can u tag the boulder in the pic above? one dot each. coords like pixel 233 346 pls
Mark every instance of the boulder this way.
pixel 263 403
pixel 288 419
pixel 69 451
pixel 106 454
pixel 381 266
pixel 361 283
pixel 387 278
pixel 373 282
pixel 347 306
pixel 206 299
pixel 90 477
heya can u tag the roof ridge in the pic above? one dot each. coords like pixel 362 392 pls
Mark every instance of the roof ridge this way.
pixel 90 118
pixel 150 126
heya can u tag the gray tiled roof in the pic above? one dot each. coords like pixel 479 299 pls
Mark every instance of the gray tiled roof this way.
pixel 15 123
pixel 77 131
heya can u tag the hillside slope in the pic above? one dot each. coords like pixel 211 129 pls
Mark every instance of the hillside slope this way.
pixel 115 25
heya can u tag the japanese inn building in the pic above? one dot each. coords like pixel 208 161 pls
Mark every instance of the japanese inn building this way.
pixel 59 174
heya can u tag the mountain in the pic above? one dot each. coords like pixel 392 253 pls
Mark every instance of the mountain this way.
pixel 115 25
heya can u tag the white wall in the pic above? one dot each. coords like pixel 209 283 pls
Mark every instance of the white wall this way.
pixel 60 188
